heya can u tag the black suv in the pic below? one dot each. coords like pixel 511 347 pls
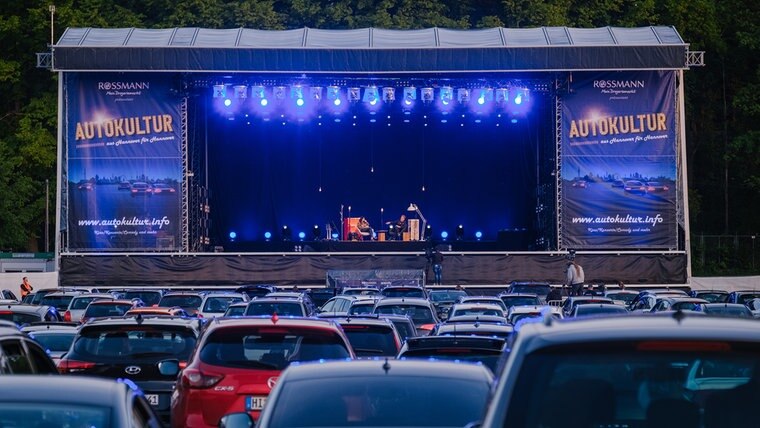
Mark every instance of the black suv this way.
pixel 19 354
pixel 147 350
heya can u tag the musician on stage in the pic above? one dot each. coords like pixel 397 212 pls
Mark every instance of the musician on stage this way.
pixel 365 230
pixel 398 227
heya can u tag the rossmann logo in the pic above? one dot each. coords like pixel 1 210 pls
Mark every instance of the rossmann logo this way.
pixel 123 86
pixel 618 84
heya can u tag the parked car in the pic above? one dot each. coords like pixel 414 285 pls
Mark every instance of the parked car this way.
pixel 215 304
pixel 361 291
pixel 78 305
pixel 520 299
pixel 712 296
pixel 621 297
pixel 163 189
pixel 444 299
pixel 236 309
pixel 147 350
pixel 20 354
pixel 362 305
pixel 517 313
pixel 539 288
pixel 598 309
pixel 59 299
pixel 635 186
pixel 371 336
pixel 679 304
pixel 476 328
pixel 421 311
pixel 378 393
pixel 494 300
pixel 636 371
pixel 404 291
pixel 477 309
pixel 473 349
pixel 108 308
pixel 568 306
pixel 256 290
pixel 22 314
pixel 154 311
pixel 742 297
pixel 731 310
pixel 282 306
pixel 239 360
pixel 140 188
pixel 190 301
pixel 338 305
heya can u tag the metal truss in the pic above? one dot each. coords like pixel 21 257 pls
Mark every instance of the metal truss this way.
pixel 45 60
pixel 558 165
pixel 186 175
pixel 695 59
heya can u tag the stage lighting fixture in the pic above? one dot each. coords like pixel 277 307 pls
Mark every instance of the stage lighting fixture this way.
pixel 460 232
pixel 335 236
pixel 484 95
pixel 220 91
pixel 389 94
pixel 333 94
pixel 267 235
pixel 371 95
pixel 427 95
pixel 478 235
pixel 259 93
pixel 316 232
pixel 287 234
pixel 279 93
pixel 296 92
pixel 240 91
pixel 521 96
pixel 316 93
pixel 354 94
pixel 501 95
pixel 447 94
pixel 428 232
pixel 233 235
pixel 444 235
pixel 301 235
pixel 410 95
pixel 227 102
pixel 463 95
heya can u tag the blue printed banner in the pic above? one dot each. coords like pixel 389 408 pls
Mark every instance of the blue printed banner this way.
pixel 619 161
pixel 124 162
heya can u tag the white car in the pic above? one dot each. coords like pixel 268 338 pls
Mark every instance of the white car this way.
pixel 79 304
pixel 216 304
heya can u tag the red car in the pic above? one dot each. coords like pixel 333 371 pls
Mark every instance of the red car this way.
pixel 239 360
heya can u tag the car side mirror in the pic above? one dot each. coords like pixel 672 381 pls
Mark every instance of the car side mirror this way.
pixel 168 367
pixel 236 420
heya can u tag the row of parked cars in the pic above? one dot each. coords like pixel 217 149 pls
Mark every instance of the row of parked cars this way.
pixel 289 358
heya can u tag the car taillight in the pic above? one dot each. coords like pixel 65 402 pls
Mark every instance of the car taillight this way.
pixel 194 378
pixel 428 327
pixel 134 190
pixel 182 365
pixel 73 366
pixel 67 316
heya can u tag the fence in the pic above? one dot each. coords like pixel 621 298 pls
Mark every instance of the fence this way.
pixel 724 255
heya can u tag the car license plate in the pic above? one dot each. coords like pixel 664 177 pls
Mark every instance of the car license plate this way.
pixel 255 402
pixel 152 399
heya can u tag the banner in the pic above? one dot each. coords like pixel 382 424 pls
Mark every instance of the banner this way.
pixel 619 161
pixel 124 162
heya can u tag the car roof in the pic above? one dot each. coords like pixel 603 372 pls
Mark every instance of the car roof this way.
pixel 268 299
pixel 383 367
pixel 677 299
pixel 527 309
pixel 363 321
pixel 507 294
pixel 94 295
pixel 583 308
pixel 476 306
pixel 725 305
pixel 112 302
pixel 9 330
pixel 475 318
pixel 268 321
pixel 223 294
pixel 24 308
pixel 468 328
pixel 63 389
pixel 449 341
pixel 142 320
pixel 415 301
pixel 36 327
pixel 65 293
pixel 679 326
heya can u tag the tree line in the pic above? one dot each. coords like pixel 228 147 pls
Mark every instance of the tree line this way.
pixel 722 98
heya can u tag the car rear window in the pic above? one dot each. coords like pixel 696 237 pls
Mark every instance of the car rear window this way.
pixel 270 348
pixel 59 302
pixel 55 342
pixel 736 311
pixel 193 302
pixel 361 308
pixel 488 358
pixel 19 317
pixel 135 342
pixel 541 290
pixel 150 298
pixel 235 311
pixel 714 297
pixel 405 329
pixel 371 340
pixel 16 414
pixel 477 311
pixel 520 301
pixel 219 304
pixel 82 302
pixel 418 314
pixel 280 308
pixel 107 310
pixel 403 292
pixel 634 384
pixel 625 297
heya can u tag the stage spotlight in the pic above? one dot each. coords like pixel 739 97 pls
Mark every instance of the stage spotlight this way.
pixel 296 92
pixel 287 234
pixel 447 94
pixel 463 95
pixel 316 232
pixel 333 94
pixel 521 96
pixel 444 235
pixel 220 91
pixel 227 102
pixel 427 95
pixel 279 93
pixel 233 235
pixel 371 95
pixel 299 102
pixel 389 94
pixel 267 235
pixel 315 92
pixel 484 95
pixel 240 91
pixel 478 235
pixel 301 235
pixel 460 232
pixel 501 95
pixel 354 94
pixel 335 236
pixel 410 95
pixel 258 92
pixel 428 232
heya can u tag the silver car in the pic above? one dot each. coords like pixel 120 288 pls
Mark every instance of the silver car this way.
pixel 79 304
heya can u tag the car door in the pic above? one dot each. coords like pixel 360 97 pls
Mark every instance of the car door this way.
pixel 15 358
pixel 40 360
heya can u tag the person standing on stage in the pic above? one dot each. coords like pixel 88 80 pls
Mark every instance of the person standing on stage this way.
pixel 575 278
pixel 26 287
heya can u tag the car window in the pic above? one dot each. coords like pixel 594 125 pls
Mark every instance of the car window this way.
pixel 150 298
pixel 41 361
pixel 135 342
pixel 81 302
pixel 107 310
pixel 141 415
pixel 47 414
pixel 16 358
pixel 234 311
pixel 328 307
pixel 182 301
pixel 19 317
pixel 418 314
pixel 219 304
pixel 371 341
pixel 59 302
pixel 270 348
pixel 342 305
pixel 279 308
pixel 56 342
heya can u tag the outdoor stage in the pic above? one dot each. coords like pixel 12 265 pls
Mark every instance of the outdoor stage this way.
pixel 235 156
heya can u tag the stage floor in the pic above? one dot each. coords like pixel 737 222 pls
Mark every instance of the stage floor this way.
pixel 368 246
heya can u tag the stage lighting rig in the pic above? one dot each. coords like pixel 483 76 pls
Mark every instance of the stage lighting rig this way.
pixel 315 92
pixel 427 95
pixel 316 232
pixel 296 92
pixel 354 94
pixel 240 91
pixel 447 94
pixel 371 95
pixel 333 94
pixel 460 232
pixel 389 94
pixel 502 95
pixel 287 234
pixel 220 91
pixel 484 95
pixel 410 95
pixel 279 93
pixel 258 92
pixel 463 95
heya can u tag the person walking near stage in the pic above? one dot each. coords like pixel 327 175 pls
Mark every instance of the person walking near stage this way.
pixel 575 278
pixel 437 260
pixel 26 287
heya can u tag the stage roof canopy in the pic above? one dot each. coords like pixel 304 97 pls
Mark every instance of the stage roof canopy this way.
pixel 369 50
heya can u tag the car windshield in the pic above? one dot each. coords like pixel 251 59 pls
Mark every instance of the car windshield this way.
pixel 636 384
pixel 150 298
pixel 477 311
pixel 82 302
pixel 598 310
pixel 361 308
pixel 520 300
pixel 54 342
pixel 220 304
pixel 19 318
pixel 183 301
pixel 107 310
pixel 489 358
pixel 404 292
pixel 625 297
pixel 280 308
pixel 418 314
pixel 361 292
pixel 446 296
pixel 729 311
pixel 371 341
pixel 61 303
pixel 714 297
pixel 270 348
pixel 541 290
pixel 744 298
pixel 372 401
pixel 235 311
pixel 135 342
pixel 47 414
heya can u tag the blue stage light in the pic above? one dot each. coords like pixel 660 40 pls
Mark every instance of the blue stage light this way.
pixel 264 102
pixel 513 120
pixel 444 234
pixel 335 236
pixel 267 235
pixel 299 102
pixel 301 235
pixel 233 235
pixel 518 99
pixel 478 234
pixel 408 102
pixel 373 102
pixel 227 102
pixel 482 99
pixel 337 101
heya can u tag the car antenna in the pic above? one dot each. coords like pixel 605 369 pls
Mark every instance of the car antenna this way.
pixel 386 366
pixel 679 315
